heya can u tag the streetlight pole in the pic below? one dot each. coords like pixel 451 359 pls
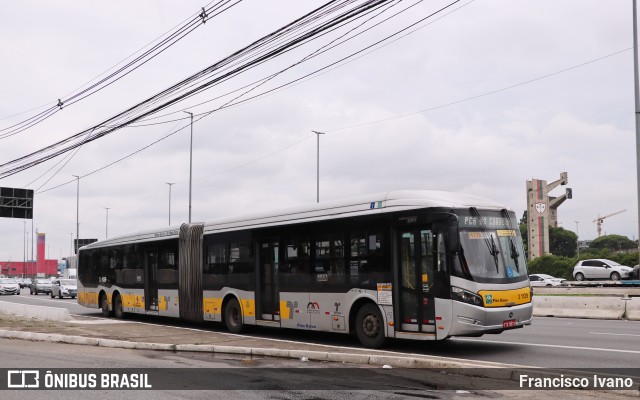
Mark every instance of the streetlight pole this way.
pixel 170 184
pixel 77 213
pixel 318 165
pixel 637 104
pixel 106 229
pixel 190 162
pixel 24 249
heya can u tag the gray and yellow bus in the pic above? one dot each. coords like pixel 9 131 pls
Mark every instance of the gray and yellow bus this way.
pixel 422 265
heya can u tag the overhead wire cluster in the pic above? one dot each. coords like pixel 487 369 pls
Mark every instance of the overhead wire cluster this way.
pixel 327 18
pixel 368 20
pixel 112 75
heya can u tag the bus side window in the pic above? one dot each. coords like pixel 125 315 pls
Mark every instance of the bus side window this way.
pixel 441 260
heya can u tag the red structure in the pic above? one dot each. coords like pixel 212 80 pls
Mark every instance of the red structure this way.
pixel 33 267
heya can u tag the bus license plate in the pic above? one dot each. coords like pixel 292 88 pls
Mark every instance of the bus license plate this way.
pixel 510 323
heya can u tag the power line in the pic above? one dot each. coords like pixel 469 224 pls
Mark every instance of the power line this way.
pixel 166 41
pixel 165 99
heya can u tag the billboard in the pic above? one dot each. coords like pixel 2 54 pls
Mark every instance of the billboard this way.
pixel 16 203
pixel 82 242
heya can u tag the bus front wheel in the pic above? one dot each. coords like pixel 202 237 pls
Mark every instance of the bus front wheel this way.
pixel 233 316
pixel 370 326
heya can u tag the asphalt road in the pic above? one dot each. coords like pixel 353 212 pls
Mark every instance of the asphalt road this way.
pixel 548 342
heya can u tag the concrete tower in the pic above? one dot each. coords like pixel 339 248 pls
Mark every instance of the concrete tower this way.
pixel 542 211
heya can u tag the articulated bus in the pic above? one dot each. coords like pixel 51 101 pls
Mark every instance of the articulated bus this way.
pixel 421 265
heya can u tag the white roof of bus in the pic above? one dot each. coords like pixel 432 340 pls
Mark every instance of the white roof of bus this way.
pixel 362 205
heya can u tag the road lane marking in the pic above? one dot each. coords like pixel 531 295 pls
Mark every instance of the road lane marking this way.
pixel 556 346
pixel 614 334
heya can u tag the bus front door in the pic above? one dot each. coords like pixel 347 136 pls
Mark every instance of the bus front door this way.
pixel 268 290
pixel 151 279
pixel 416 262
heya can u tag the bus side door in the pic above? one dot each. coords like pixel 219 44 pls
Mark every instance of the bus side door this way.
pixel 416 273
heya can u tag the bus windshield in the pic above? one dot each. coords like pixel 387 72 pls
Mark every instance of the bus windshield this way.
pixel 491 256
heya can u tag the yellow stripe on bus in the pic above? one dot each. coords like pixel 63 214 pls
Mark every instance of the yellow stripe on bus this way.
pixel 213 305
pixel 504 298
pixel 85 297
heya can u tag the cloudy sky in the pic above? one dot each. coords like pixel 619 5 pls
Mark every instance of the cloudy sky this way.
pixel 479 98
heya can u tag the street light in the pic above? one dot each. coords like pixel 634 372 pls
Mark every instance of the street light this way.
pixel 190 162
pixel 106 229
pixel 77 213
pixel 318 166
pixel 170 184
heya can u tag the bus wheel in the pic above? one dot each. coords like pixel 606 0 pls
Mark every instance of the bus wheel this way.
pixel 104 305
pixel 369 326
pixel 233 316
pixel 117 307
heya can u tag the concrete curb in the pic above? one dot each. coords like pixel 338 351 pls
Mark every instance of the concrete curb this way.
pixel 38 312
pixel 394 361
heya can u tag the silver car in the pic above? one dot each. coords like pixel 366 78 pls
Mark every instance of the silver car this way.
pixel 546 280
pixel 40 285
pixel 601 268
pixel 64 288
pixel 9 286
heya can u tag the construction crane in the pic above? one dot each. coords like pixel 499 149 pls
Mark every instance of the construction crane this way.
pixel 600 220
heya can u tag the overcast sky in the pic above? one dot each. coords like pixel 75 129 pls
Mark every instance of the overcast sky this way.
pixel 262 155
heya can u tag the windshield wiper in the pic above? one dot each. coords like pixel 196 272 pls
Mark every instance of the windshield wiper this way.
pixel 491 244
pixel 512 247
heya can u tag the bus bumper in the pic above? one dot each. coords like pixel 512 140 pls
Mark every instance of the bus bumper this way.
pixel 469 320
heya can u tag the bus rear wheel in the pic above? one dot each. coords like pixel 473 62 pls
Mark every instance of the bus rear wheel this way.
pixel 118 311
pixel 233 316
pixel 104 306
pixel 370 326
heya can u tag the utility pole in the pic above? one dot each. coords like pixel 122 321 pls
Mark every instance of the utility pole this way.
pixel 318 165
pixel 170 184
pixel 77 213
pixel 637 103
pixel 106 229
pixel 190 162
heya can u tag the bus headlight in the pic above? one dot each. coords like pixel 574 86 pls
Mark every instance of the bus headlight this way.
pixel 466 296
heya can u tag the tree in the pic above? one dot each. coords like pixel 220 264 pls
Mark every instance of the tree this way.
pixel 612 242
pixel 560 267
pixel 562 242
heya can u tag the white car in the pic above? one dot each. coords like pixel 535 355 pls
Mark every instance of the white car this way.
pixel 545 280
pixel 601 268
pixel 64 288
pixel 9 286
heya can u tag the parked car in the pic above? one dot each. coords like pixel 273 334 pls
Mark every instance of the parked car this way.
pixel 601 268
pixel 26 282
pixel 64 287
pixel 9 286
pixel 545 280
pixel 40 285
